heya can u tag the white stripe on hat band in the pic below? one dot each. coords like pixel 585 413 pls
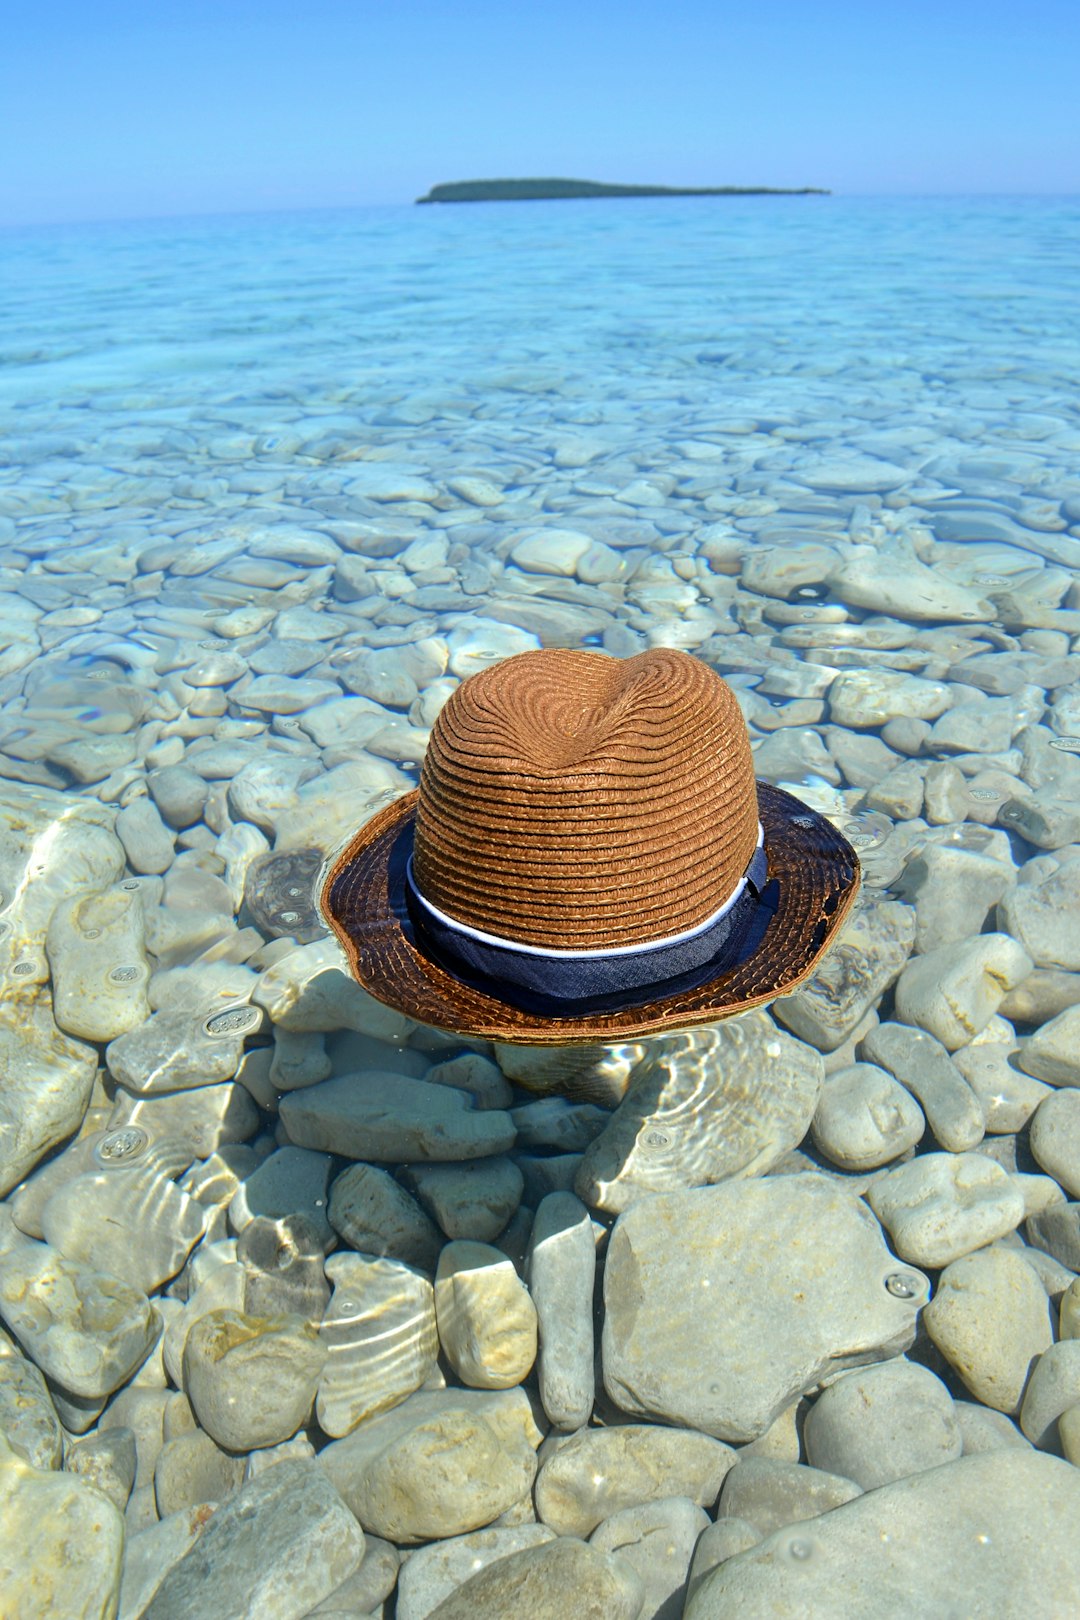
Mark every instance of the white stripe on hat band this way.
pixel 617 950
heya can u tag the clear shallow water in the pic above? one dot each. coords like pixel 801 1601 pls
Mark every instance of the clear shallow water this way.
pixel 203 424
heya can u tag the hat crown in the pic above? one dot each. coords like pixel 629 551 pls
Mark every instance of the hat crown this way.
pixel 573 801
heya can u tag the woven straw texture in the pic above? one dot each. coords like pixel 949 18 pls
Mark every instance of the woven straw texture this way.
pixel 574 801
pixel 813 871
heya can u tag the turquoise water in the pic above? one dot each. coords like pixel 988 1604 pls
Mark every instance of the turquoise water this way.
pixel 220 438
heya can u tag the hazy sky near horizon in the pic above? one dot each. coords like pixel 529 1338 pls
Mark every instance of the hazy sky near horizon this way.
pixel 136 108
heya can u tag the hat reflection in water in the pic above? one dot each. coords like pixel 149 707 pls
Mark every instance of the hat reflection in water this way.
pixel 588 858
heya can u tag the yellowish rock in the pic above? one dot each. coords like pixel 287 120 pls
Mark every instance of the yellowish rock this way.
pixel 61 1547
pixel 486 1319
pixel 990 1318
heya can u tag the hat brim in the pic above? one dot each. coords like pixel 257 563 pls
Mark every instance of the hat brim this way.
pixel 813 867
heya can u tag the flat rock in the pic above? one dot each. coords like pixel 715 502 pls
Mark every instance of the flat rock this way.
pixel 768 1493
pixel 991 1534
pixel 433 1573
pixel 547 1583
pixel 871 697
pixel 442 1463
pixel 1053 1389
pixel 392 1117
pixel 96 949
pixel 773 1282
pixel 1041 916
pixel 704 1106
pixel 954 890
pixel 941 1206
pixel 274 1550
pixel 1055 1138
pixel 175 1050
pixel 133 1222
pixel 48 1078
pixel 596 1473
pixel 28 1417
pixel 380 1336
pixel 879 1424
pixel 990 1318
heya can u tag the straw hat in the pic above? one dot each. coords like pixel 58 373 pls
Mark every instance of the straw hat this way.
pixel 588 858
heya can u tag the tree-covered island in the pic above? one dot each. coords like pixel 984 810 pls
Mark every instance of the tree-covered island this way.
pixel 457 191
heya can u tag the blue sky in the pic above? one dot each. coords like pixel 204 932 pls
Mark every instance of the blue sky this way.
pixel 133 108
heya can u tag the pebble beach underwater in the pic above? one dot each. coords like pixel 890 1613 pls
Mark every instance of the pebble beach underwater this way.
pixel 310 1310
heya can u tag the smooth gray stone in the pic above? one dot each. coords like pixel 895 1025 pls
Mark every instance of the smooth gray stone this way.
pixel 960 1539
pixel 142 1411
pixel 473 1200
pixel 594 1473
pixel 982 1429
pixel 657 1540
pixel 82 1328
pixel 954 991
pixel 560 1268
pixel 179 794
pixel 374 1214
pixel 48 1078
pixel 390 1117
pixel 362 1592
pixel 432 1573
pixel 292 1181
pixel 704 1105
pixel 880 1424
pixel 865 1118
pixel 471 1072
pixel 106 1460
pixel 872 949
pixel 133 1222
pixel 1053 1388
pixel 1043 994
pixel 924 1067
pixel 1041 915
pixel 486 1318
pixel 27 1415
pixel 548 1583
pixel 147 842
pixel 1046 823
pixel 1055 1138
pixel 176 1050
pixel 190 1469
pixel 990 1318
pixel 281 1545
pixel 717 1543
pixel 283 1262
pixel 769 1493
pixel 863 759
pixel 553 1122
pixel 953 890
pixel 150 1553
pixel 793 1265
pixel 547 1173
pixel 1052 1054
pixel 1056 1231
pixel 442 1463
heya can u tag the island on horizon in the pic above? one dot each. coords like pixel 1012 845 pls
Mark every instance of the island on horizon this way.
pixel 457 191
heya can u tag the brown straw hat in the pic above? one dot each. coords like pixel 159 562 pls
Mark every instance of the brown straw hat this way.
pixel 588 858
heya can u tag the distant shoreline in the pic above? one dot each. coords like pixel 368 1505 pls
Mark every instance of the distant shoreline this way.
pixel 459 191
